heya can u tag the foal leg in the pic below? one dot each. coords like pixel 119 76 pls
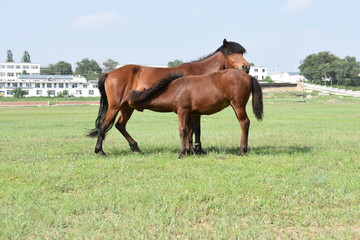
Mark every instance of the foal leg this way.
pixel 244 124
pixel 189 137
pixel 183 116
pixel 125 114
pixel 195 125
pixel 109 118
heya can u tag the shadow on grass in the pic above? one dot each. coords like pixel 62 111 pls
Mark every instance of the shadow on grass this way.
pixel 262 150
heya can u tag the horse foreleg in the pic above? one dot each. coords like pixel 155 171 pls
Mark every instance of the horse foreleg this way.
pixel 195 126
pixel 125 114
pixel 245 125
pixel 183 116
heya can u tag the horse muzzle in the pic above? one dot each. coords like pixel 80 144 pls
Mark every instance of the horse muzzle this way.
pixel 245 68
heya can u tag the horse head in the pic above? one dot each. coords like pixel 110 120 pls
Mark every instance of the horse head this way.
pixel 233 53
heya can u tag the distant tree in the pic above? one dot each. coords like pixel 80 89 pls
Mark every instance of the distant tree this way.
pixel 48 70
pixel 325 65
pixel 110 65
pixel 60 68
pixel 63 68
pixel 89 69
pixel 64 93
pixel 268 79
pixel 24 72
pixel 19 93
pixel 175 63
pixel 9 57
pixel 26 57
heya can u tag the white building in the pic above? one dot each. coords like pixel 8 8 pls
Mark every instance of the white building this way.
pixel 287 77
pixel 37 85
pixel 10 70
pixel 53 85
pixel 260 73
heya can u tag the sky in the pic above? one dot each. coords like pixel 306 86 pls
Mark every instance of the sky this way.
pixel 277 34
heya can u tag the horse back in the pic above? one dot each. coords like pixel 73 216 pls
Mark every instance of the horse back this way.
pixel 121 81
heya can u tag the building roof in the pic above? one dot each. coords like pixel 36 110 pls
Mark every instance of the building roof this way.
pixel 45 77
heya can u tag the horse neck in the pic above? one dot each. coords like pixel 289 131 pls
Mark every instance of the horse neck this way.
pixel 210 64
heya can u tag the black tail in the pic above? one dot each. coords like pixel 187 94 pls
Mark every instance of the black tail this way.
pixel 103 107
pixel 140 96
pixel 257 99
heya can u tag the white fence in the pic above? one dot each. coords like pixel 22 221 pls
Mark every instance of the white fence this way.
pixel 331 90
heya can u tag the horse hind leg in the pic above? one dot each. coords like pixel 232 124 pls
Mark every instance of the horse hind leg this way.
pixel 105 125
pixel 245 125
pixel 196 129
pixel 125 114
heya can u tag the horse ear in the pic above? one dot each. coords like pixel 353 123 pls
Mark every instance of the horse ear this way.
pixel 225 43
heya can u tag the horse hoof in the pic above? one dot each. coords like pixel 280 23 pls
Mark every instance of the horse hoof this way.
pixel 134 148
pixel 102 153
pixel 198 150
pixel 181 156
pixel 240 153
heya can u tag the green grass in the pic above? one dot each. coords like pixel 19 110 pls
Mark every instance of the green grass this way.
pixel 300 179
pixel 52 100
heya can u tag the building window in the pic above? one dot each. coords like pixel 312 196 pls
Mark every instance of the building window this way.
pixel 9 92
pixel 34 67
pixel 51 92
pixel 61 85
pixel 39 92
pixel 55 85
pixel 10 66
pixel 15 84
pixel 78 92
pixel 37 85
pixel 28 85
pixel 256 70
pixel 18 66
pixel 91 92
pixel 10 74
pixel 263 70
pixel 74 85
pixel 48 85
pixel 25 66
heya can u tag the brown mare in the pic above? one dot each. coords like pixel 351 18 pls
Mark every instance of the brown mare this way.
pixel 203 95
pixel 116 85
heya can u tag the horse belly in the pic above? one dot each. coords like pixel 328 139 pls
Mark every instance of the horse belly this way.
pixel 209 105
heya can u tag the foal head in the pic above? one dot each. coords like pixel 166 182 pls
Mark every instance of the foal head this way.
pixel 233 53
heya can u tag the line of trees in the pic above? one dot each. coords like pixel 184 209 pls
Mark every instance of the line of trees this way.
pixel 87 68
pixel 326 67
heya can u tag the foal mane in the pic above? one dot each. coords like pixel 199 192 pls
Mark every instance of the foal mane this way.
pixel 141 96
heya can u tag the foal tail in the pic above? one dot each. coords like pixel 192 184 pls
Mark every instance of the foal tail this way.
pixel 103 107
pixel 135 96
pixel 257 99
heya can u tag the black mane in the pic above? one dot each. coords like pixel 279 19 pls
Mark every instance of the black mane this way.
pixel 231 48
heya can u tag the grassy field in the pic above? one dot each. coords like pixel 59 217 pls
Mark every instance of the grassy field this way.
pixel 300 179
